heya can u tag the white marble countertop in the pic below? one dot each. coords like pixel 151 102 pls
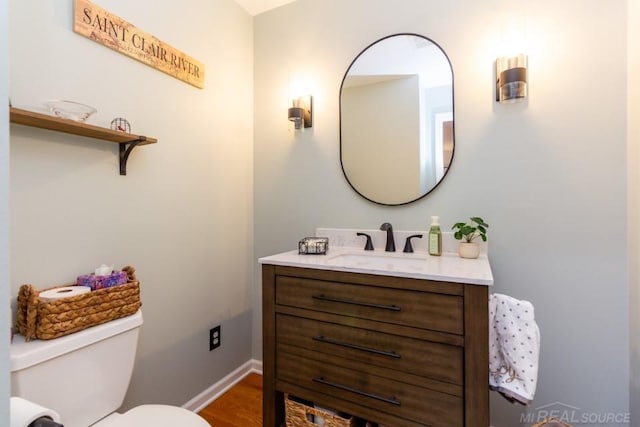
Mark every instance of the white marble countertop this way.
pixel 418 265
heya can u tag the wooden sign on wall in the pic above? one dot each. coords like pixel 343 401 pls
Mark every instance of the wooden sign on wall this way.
pixel 114 32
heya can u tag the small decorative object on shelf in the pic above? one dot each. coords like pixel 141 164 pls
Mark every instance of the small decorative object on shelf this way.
pixel 70 110
pixel 121 125
pixel 467 233
pixel 313 246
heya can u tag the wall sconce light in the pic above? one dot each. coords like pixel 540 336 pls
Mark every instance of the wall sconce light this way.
pixel 301 114
pixel 511 78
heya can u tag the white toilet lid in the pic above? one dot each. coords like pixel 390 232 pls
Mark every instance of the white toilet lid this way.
pixel 156 416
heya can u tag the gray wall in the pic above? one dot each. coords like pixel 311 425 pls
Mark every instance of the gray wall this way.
pixel 633 128
pixel 182 215
pixel 548 175
pixel 4 217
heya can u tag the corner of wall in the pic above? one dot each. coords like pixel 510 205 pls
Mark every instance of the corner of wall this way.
pixel 633 191
pixel 4 215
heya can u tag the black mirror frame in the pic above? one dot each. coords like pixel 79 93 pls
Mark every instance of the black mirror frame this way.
pixel 452 110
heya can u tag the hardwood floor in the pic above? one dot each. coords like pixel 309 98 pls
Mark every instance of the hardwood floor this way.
pixel 240 406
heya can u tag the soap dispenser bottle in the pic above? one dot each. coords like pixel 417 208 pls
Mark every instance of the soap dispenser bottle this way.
pixel 435 237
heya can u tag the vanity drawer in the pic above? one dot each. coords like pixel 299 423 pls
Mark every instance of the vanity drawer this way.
pixel 427 310
pixel 381 394
pixel 437 361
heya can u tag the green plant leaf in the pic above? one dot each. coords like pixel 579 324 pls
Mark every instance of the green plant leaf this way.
pixel 471 230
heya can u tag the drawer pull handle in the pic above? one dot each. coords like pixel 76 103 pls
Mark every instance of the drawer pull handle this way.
pixel 393 354
pixel 323 297
pixel 391 400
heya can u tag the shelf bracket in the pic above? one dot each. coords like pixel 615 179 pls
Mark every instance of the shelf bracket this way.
pixel 125 149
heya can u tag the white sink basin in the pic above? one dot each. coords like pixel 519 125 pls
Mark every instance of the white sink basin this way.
pixel 375 261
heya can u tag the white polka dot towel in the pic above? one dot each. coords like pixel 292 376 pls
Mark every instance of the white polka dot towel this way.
pixel 514 348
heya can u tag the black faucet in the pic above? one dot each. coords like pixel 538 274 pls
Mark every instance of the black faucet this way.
pixel 391 244
pixel 369 245
pixel 408 248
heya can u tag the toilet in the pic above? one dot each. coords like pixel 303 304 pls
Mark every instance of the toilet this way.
pixel 84 377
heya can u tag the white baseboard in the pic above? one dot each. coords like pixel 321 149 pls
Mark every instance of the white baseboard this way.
pixel 201 401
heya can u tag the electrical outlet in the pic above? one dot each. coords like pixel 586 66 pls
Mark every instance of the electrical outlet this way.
pixel 214 338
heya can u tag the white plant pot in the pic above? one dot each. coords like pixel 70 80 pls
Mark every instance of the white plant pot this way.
pixel 469 250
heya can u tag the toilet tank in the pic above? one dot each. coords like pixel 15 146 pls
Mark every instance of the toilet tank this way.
pixel 83 376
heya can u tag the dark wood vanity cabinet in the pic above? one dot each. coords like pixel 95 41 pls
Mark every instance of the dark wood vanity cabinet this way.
pixel 395 351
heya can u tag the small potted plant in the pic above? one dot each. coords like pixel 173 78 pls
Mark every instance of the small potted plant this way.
pixel 467 233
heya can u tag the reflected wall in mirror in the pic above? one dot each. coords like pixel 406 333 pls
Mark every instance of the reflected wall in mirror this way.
pixel 397 119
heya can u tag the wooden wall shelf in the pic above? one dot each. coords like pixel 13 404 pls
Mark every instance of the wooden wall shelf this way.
pixel 126 141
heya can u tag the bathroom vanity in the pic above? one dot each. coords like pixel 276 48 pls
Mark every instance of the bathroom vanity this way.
pixel 397 339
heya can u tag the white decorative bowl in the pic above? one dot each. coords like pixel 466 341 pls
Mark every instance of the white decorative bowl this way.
pixel 70 110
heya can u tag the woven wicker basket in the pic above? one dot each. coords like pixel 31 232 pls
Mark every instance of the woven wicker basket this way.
pixel 296 416
pixel 46 320
pixel 552 422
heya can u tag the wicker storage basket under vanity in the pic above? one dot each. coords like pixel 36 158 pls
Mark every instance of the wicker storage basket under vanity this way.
pixel 551 422
pixel 296 416
pixel 46 320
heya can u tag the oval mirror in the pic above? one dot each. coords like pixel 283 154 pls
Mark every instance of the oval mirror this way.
pixel 396 119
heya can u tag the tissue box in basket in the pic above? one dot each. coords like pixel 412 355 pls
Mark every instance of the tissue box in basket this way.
pixel 100 282
pixel 46 320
